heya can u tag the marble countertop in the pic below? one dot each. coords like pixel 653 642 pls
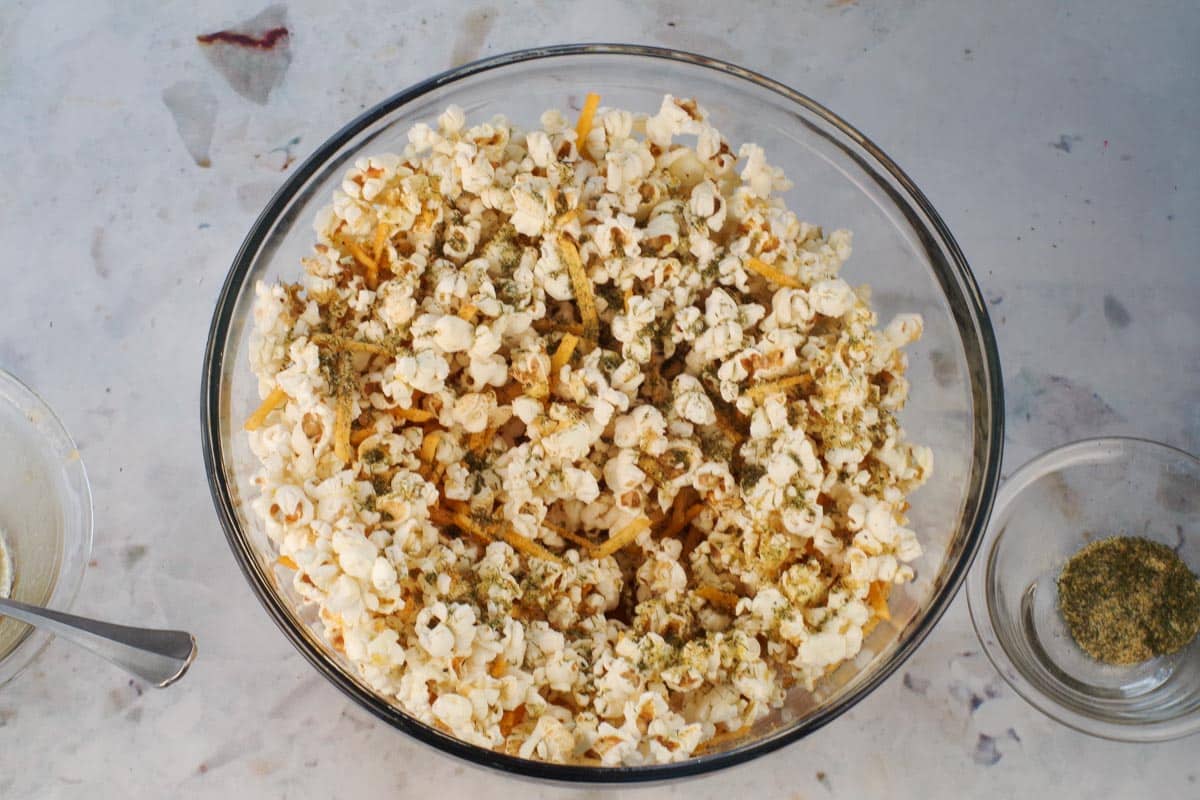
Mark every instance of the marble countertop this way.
pixel 1058 142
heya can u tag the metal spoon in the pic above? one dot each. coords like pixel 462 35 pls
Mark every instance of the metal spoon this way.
pixel 157 656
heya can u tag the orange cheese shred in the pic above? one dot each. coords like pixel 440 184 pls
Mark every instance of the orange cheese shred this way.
pixel 728 425
pixel 585 295
pixel 381 237
pixel 430 445
pixel 773 274
pixel 570 536
pixel 877 599
pixel 761 390
pixel 722 738
pixel 477 443
pixel 523 544
pixel 566 348
pixel 276 399
pixel 369 264
pixel 411 414
pixel 341 428
pixel 718 596
pixel 678 523
pixel 621 538
pixel 349 345
pixel 584 126
pixel 691 542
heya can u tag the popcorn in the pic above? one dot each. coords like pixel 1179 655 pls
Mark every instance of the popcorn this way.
pixel 643 427
pixel 550 740
pixel 473 410
pixel 627 165
pixel 530 202
pixel 707 203
pixel 631 328
pixel 621 472
pixel 691 401
pixel 454 711
pixel 831 298
pixel 467 514
pixel 453 335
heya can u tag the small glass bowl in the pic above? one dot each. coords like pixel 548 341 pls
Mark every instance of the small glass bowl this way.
pixel 1046 512
pixel 45 516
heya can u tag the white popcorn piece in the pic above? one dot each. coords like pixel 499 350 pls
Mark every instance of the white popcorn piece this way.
pixel 453 335
pixel 691 401
pixel 831 298
pixel 621 472
pixel 473 411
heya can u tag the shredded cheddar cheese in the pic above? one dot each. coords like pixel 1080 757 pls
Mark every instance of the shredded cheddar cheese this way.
pixel 621 538
pixel 585 296
pixel 349 345
pixel 430 445
pixel 679 523
pixel 772 274
pixel 761 390
pixel 562 355
pixel 527 546
pixel 478 442
pixel 411 414
pixel 877 599
pixel 718 596
pixel 276 399
pixel 584 126
pixel 341 428
pixel 381 237
pixel 568 535
pixel 722 738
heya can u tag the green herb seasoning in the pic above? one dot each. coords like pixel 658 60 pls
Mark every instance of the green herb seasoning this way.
pixel 1126 599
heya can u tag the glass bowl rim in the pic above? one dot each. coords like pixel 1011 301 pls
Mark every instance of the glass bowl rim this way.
pixel 1082 451
pixel 66 586
pixel 214 460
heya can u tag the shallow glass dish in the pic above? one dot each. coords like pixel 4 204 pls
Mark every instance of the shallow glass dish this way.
pixel 901 248
pixel 45 517
pixel 1045 512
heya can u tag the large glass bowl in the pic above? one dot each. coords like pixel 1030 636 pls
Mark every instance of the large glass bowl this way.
pixel 901 248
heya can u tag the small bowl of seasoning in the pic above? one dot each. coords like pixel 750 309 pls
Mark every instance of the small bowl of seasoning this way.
pixel 1086 595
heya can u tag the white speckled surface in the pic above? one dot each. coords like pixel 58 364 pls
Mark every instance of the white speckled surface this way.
pixel 1060 146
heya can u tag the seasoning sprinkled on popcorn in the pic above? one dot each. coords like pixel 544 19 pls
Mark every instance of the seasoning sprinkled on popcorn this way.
pixel 577 440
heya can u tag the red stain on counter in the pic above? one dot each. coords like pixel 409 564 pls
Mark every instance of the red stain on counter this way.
pixel 265 42
pixel 253 55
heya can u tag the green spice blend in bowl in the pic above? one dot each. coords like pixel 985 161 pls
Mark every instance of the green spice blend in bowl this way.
pixel 1126 599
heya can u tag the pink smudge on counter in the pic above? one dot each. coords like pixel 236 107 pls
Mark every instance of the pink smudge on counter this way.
pixel 252 56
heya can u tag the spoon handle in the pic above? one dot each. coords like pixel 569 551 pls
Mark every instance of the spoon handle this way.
pixel 157 656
